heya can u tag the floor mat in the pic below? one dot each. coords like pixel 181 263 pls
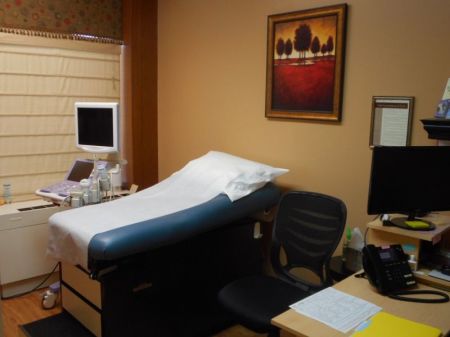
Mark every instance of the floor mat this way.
pixel 59 325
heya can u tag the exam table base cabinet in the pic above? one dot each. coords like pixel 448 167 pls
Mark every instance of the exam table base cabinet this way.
pixel 168 292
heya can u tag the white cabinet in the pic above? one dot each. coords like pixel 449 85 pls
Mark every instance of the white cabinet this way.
pixel 23 244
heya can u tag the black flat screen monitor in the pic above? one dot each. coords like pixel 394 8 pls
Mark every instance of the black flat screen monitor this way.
pixel 411 180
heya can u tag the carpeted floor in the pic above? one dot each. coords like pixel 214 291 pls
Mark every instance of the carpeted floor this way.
pixel 56 326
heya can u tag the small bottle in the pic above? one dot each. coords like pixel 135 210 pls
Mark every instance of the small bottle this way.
pixel 76 198
pixel 84 183
pixel 344 251
pixel 95 188
pixel 104 181
pixel 7 196
pixel 94 191
pixel 345 248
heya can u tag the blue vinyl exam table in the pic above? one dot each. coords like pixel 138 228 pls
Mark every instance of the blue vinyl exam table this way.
pixel 160 277
pixel 152 263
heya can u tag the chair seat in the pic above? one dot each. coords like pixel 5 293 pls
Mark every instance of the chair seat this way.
pixel 243 299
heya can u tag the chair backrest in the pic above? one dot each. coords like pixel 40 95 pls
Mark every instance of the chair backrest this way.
pixel 308 227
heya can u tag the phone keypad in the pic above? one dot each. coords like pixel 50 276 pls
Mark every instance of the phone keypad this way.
pixel 400 273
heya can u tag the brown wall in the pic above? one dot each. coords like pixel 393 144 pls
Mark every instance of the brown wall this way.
pixel 211 87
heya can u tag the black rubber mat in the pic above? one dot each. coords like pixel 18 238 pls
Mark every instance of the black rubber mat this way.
pixel 60 325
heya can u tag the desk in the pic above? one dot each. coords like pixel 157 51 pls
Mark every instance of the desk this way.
pixel 437 315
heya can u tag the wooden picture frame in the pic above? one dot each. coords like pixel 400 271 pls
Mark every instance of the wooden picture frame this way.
pixel 391 120
pixel 305 64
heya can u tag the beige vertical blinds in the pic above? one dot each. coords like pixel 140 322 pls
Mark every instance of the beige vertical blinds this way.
pixel 39 83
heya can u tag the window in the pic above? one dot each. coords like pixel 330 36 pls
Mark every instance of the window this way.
pixel 40 80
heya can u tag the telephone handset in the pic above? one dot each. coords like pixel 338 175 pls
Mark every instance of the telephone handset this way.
pixel 387 268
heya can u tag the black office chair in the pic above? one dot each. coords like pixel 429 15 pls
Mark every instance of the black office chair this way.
pixel 308 227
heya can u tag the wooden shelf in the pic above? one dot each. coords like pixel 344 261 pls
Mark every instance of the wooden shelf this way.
pixel 442 223
pixel 422 276
pixel 437 128
pixel 384 235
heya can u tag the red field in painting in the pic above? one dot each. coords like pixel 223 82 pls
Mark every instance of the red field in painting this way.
pixel 299 87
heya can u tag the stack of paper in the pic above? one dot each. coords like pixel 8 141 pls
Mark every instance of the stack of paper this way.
pixel 336 309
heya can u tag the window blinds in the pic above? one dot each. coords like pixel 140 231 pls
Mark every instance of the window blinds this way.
pixel 39 83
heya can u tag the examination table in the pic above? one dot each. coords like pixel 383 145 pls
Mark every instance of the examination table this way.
pixel 161 277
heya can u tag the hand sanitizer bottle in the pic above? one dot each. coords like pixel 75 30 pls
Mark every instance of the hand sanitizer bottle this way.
pixel 7 197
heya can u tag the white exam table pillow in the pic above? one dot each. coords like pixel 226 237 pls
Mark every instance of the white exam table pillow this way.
pixel 234 176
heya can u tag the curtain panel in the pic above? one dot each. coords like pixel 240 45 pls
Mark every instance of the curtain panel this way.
pixel 96 20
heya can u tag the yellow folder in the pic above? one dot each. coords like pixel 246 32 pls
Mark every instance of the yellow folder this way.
pixel 387 325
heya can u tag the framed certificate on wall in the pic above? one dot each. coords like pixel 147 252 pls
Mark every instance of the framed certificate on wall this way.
pixel 391 120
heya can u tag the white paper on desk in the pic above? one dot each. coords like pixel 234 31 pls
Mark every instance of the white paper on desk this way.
pixel 438 274
pixel 336 309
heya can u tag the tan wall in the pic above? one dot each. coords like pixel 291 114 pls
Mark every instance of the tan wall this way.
pixel 211 87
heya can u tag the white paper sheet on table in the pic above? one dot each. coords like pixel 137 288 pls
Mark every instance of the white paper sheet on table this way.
pixel 336 309
pixel 199 181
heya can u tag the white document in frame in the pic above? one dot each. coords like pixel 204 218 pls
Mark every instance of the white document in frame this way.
pixel 394 123
pixel 336 309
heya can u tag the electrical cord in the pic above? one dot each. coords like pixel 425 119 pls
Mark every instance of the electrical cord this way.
pixel 402 295
pixel 34 288
pixel 365 236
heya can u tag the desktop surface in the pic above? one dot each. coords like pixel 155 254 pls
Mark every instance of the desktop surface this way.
pixel 435 314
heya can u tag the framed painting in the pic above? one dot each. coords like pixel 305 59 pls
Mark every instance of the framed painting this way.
pixel 305 64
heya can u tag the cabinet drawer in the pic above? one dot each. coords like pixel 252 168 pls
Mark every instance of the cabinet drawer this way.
pixel 83 312
pixel 79 280
pixel 23 253
pixel 26 218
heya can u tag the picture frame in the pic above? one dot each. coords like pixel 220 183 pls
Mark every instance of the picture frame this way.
pixel 391 121
pixel 305 64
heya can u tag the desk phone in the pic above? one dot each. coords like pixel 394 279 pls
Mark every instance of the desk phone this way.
pixel 387 268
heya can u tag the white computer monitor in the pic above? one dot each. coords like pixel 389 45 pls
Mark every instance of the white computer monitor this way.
pixel 97 126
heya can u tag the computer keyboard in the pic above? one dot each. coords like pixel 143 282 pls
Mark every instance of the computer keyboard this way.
pixel 62 188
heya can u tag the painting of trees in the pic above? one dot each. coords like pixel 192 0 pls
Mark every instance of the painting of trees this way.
pixel 315 46
pixel 280 47
pixel 288 48
pixel 305 44
pixel 302 40
pixel 323 49
pixel 330 44
pixel 306 84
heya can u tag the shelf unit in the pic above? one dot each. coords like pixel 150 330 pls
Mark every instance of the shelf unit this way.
pixel 437 128
pixel 386 235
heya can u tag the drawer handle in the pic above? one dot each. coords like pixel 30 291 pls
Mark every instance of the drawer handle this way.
pixel 17 218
